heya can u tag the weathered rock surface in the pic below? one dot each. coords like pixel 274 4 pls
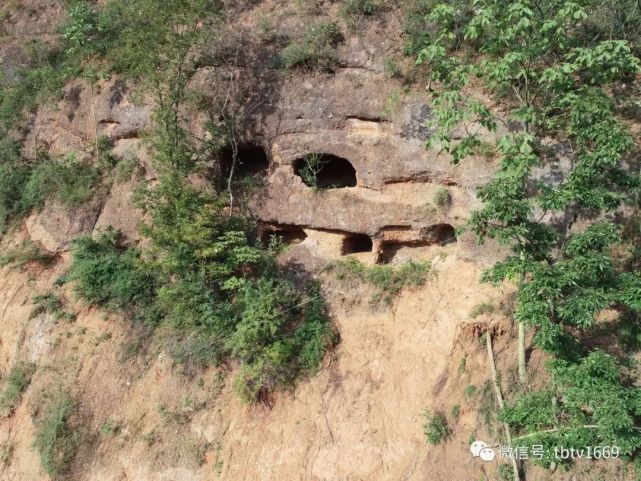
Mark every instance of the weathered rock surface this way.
pixel 56 226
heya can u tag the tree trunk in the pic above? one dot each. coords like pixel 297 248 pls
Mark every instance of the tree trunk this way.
pixel 522 368
pixel 499 397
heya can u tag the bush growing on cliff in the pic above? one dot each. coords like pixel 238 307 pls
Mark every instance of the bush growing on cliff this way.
pixel 26 252
pixel 315 50
pixel 56 440
pixel 204 275
pixel 16 383
pixel 109 274
pixel 70 182
pixel 355 11
pixel 435 427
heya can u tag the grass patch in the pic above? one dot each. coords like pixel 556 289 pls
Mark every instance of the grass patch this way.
pixel 6 453
pixel 356 11
pixel 435 427
pixel 109 428
pixel 16 384
pixel 482 308
pixel 24 254
pixel 387 281
pixel 56 440
pixel 315 50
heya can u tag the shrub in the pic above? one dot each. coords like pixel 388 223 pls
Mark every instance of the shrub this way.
pixel 357 10
pixel 204 277
pixel 126 168
pixel 13 176
pixel 17 381
pixel 56 441
pixel 442 198
pixel 313 164
pixel 72 183
pixel 416 28
pixel 272 342
pixel 392 68
pixel 109 274
pixel 435 427
pixel 482 308
pixel 51 303
pixel 315 50
pixel 109 428
pixel 506 473
pixel 388 281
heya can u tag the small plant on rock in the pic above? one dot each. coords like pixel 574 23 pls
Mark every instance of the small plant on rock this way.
pixel 435 427
pixel 442 198
pixel 315 50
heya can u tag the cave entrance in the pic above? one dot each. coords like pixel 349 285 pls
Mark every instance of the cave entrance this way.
pixel 444 234
pixel 436 236
pixel 251 160
pixel 355 243
pixel 289 234
pixel 325 171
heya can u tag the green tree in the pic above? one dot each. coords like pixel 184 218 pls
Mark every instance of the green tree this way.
pixel 555 67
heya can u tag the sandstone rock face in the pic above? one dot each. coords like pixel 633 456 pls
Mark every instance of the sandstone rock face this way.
pixel 56 226
pixel 72 124
pixel 397 178
pixel 119 213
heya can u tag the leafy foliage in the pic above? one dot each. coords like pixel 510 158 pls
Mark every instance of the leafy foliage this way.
pixel 555 67
pixel 312 166
pixel 108 273
pixel 221 287
pixel 442 198
pixel 588 404
pixel 355 11
pixel 51 303
pixel 435 427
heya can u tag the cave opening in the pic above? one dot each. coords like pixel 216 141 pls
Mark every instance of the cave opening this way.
pixel 325 171
pixel 251 160
pixel 287 235
pixel 437 235
pixel 355 243
pixel 444 234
